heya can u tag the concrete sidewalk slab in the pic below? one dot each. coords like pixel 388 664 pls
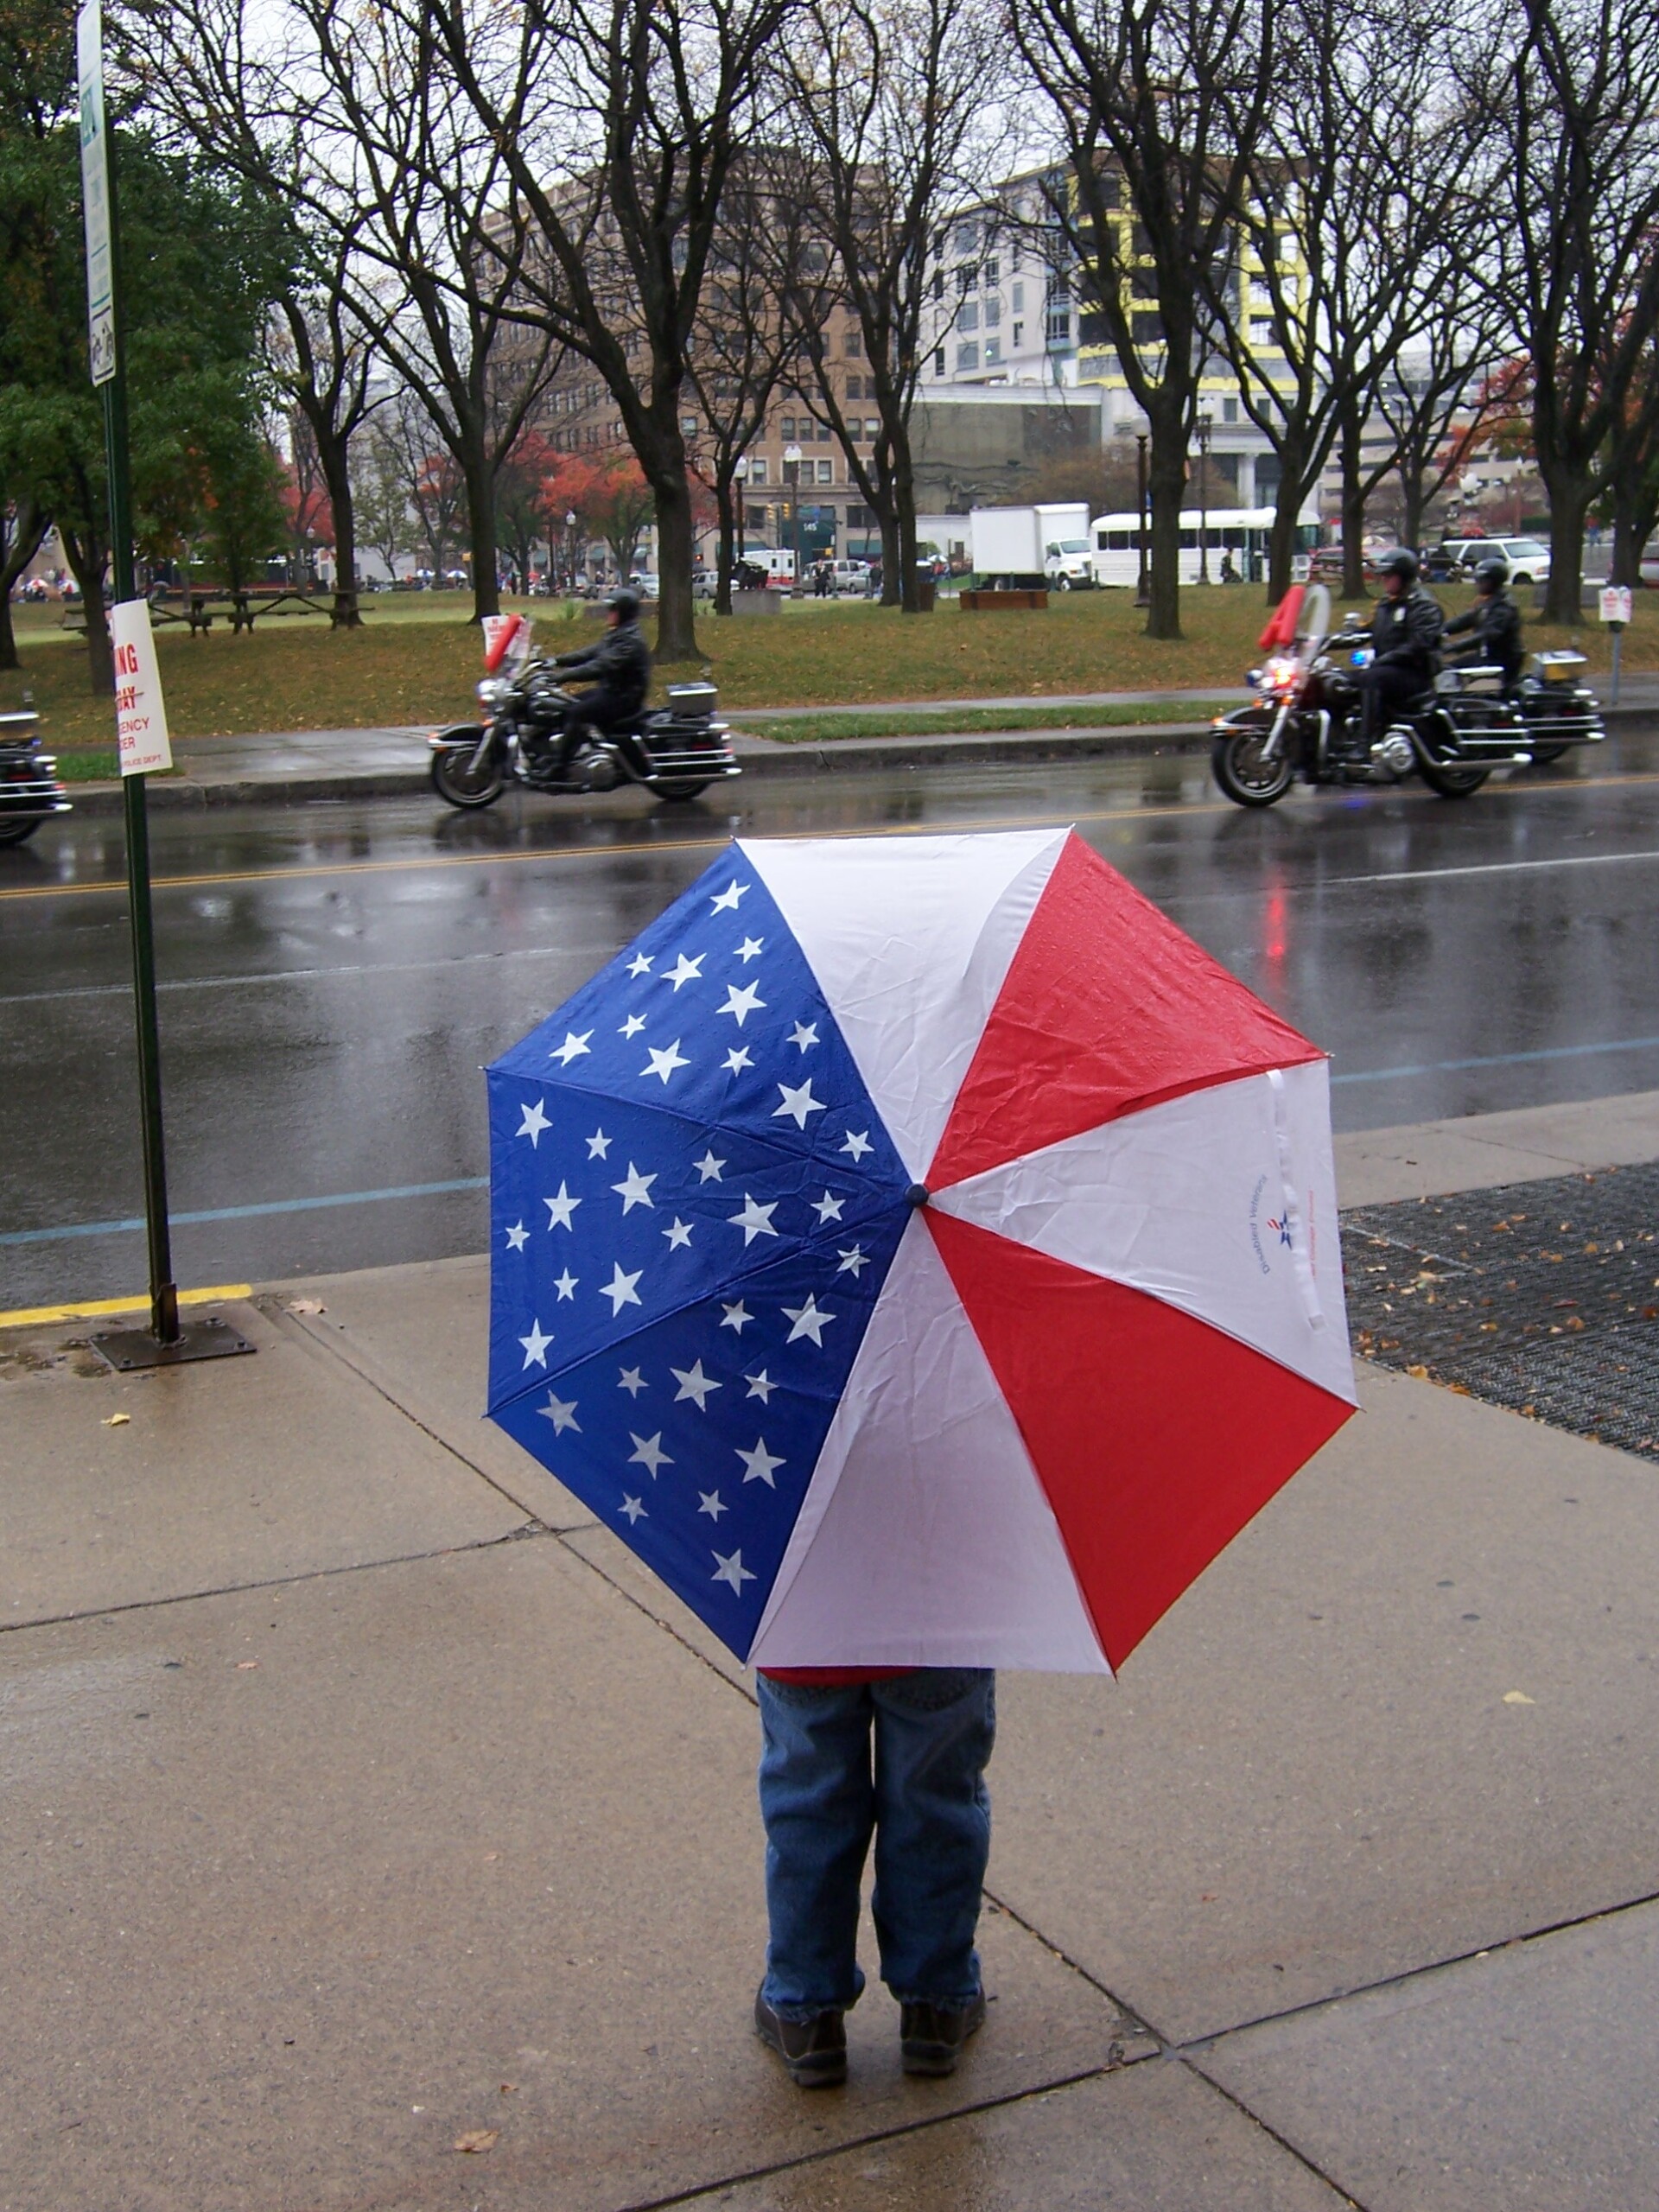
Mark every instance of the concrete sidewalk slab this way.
pixel 201 1486
pixel 1311 1777
pixel 299 1879
pixel 1152 2140
pixel 1522 2080
pixel 1479 1152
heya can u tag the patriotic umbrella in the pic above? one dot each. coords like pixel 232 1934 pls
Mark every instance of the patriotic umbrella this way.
pixel 920 1251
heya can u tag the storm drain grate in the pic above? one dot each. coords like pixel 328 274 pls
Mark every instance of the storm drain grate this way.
pixel 1543 1297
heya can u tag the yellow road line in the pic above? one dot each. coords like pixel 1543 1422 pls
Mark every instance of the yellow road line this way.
pixel 596 852
pixel 31 1317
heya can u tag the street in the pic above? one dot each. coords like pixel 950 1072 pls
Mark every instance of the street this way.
pixel 334 976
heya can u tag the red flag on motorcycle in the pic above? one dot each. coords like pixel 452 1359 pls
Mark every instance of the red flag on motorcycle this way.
pixel 1281 623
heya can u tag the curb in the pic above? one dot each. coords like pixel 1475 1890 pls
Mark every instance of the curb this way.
pixel 762 760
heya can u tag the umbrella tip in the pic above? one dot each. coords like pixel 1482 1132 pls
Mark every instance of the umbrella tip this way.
pixel 918 1194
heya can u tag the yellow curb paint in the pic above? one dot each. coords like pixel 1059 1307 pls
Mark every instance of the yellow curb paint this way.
pixel 95 1309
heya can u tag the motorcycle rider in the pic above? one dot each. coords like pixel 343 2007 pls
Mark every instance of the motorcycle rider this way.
pixel 619 667
pixel 1406 633
pixel 1496 622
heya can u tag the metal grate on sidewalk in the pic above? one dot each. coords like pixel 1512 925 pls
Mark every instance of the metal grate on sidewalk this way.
pixel 1543 1297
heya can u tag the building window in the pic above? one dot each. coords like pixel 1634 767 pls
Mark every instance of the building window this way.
pixel 852 345
pixel 826 471
pixel 992 270
pixel 968 315
pixel 688 426
pixel 1059 326
pixel 967 358
pixel 786 429
pixel 1018 332
pixel 1147 328
pixel 1261 330
pixel 993 352
pixel 938 284
pixel 993 311
pixel 1018 299
pixel 757 471
pixel 967 277
pixel 1230 411
pixel 824 434
pixel 859 518
pixel 939 360
pixel 967 236
pixel 871 423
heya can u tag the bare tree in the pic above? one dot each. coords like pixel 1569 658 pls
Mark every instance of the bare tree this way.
pixel 888 102
pixel 1565 96
pixel 1160 105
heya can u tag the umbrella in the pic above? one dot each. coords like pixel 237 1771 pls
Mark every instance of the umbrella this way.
pixel 920 1251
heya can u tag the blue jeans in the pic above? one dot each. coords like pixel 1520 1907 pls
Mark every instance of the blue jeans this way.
pixel 923 1796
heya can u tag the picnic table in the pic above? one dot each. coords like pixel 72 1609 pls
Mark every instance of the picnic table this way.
pixel 200 608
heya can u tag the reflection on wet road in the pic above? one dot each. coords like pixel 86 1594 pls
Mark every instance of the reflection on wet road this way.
pixel 334 976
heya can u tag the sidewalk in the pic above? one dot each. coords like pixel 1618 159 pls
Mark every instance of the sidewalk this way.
pixel 363 1796
pixel 291 766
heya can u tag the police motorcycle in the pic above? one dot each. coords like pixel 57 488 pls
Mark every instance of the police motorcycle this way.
pixel 675 752
pixel 1307 721
pixel 1557 708
pixel 29 790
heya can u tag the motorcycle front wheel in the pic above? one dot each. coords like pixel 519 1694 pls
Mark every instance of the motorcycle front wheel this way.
pixel 456 781
pixel 683 788
pixel 12 832
pixel 1452 783
pixel 1246 777
pixel 1543 754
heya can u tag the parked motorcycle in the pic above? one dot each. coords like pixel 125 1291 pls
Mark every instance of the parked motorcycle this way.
pixel 29 790
pixel 1307 718
pixel 676 752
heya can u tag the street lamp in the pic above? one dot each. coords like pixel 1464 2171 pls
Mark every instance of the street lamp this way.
pixel 1143 585
pixel 793 477
pixel 1203 427
pixel 570 547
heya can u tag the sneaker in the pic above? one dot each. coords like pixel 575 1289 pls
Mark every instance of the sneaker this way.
pixel 814 2050
pixel 930 2038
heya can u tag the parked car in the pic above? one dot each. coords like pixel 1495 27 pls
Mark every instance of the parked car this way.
pixel 1528 558
pixel 849 576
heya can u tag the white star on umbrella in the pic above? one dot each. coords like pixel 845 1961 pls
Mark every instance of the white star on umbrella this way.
pixel 803 1034
pixel 685 971
pixel 632 1026
pixel 809 1320
pixel 853 1263
pixel 634 1509
pixel 731 1570
pixel 648 1452
pixel 754 1220
pixel 727 900
pixel 559 1210
pixel 634 1189
pixel 679 1236
pixel 828 1208
pixel 640 965
pixel 565 1284
pixel 535 1344
pixel 518 1238
pixel 751 949
pixel 694 1383
pixel 598 1144
pixel 761 1386
pixel 632 1382
pixel 758 1465
pixel 533 1123
pixel 561 1415
pixel 736 1318
pixel 712 1506
pixel 709 1167
pixel 620 1290
pixel 663 1063
pixel 573 1047
pixel 737 1060
pixel 798 1102
pixel 858 1145
pixel 742 1004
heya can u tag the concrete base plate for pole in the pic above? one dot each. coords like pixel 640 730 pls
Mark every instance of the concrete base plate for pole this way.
pixel 127 1349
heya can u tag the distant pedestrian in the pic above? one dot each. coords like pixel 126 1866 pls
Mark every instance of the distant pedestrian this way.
pixel 849 1753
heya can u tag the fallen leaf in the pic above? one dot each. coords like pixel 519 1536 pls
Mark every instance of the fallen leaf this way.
pixel 245 1665
pixel 306 1306
pixel 509 2089
pixel 118 1420
pixel 489 1857
pixel 477 2139
pixel 1421 1373
pixel 1516 1697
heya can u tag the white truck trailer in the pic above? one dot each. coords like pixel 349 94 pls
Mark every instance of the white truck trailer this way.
pixel 1025 547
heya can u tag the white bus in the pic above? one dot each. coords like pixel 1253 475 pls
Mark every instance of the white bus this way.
pixel 1241 533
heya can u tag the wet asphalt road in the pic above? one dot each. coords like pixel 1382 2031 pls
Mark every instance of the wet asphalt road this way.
pixel 334 976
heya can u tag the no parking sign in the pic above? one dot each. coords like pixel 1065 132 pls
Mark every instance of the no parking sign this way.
pixel 140 716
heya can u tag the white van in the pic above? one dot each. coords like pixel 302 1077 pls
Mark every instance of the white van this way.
pixel 779 561
pixel 849 576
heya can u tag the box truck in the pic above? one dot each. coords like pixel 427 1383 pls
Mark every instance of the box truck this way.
pixel 1025 548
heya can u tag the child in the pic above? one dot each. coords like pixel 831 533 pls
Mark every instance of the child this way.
pixel 920 1788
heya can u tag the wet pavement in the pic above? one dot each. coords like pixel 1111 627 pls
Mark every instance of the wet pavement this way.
pixel 334 975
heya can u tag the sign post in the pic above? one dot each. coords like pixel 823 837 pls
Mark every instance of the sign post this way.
pixel 1618 605
pixel 141 721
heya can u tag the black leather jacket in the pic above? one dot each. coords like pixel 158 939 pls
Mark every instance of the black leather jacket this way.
pixel 1406 633
pixel 1496 622
pixel 620 661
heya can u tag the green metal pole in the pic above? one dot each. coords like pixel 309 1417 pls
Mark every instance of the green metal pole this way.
pixel 163 1291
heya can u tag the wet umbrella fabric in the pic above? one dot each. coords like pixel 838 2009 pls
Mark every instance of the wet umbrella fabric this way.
pixel 920 1251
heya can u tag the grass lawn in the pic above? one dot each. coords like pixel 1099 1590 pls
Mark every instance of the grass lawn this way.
pixel 416 659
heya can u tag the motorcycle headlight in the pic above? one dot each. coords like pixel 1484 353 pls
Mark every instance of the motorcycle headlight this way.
pixel 493 691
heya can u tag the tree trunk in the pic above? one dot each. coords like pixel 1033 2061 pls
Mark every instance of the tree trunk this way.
pixel 1636 511
pixel 725 559
pixel 892 555
pixel 1287 508
pixel 28 527
pixel 1413 503
pixel 1570 491
pixel 904 508
pixel 333 458
pixel 88 556
pixel 479 472
pixel 677 633
pixel 1166 487
pixel 1351 465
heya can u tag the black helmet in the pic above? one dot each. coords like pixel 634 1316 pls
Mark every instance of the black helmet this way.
pixel 1491 574
pixel 625 602
pixel 1400 563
